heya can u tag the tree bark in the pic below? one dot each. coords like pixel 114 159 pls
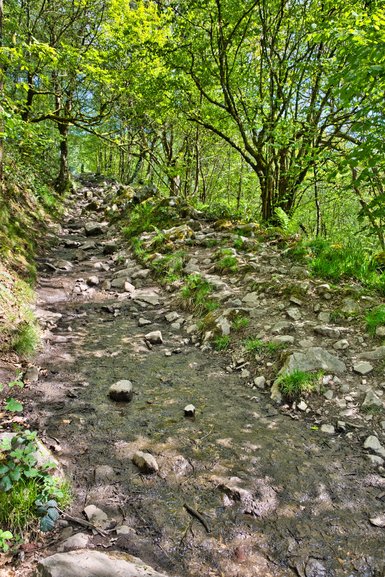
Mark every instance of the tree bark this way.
pixel 63 179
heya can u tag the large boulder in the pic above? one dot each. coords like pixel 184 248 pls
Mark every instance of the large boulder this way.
pixel 89 563
pixel 313 359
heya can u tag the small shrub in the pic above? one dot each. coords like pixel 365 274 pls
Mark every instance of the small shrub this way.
pixel 23 482
pixel 228 263
pixel 296 383
pixel 375 318
pixel 222 343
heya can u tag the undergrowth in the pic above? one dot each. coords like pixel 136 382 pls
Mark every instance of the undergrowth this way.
pixel 293 385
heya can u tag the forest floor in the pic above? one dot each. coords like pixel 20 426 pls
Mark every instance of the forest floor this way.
pixel 281 489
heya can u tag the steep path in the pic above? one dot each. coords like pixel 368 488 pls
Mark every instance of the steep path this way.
pixel 280 496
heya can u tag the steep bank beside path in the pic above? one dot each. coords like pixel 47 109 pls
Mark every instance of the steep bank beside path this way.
pixel 280 490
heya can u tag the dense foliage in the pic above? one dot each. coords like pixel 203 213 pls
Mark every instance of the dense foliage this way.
pixel 266 109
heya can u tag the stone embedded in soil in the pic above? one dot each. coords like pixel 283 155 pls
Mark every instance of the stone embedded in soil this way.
pixel 282 327
pixel 96 516
pixel 128 287
pixel 104 473
pixel 121 391
pixel 283 340
pixel 372 443
pixel 148 298
pixel 341 345
pixel 380 332
pixel 172 316
pixel 93 228
pixel 302 406
pixel 93 280
pixel 294 314
pixel 154 337
pixel 78 541
pixel 329 429
pixel 142 322
pixel 362 368
pixel 326 331
pixel 260 382
pixel 314 358
pixel 119 283
pixel 31 375
pixel 145 462
pixel 251 299
pixel 378 521
pixel 376 355
pixel 110 248
pixel 189 410
pixel 372 400
pixel 90 563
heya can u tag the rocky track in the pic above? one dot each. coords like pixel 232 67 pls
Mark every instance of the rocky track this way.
pixel 250 486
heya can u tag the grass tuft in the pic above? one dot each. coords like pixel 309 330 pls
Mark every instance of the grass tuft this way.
pixel 375 318
pixel 294 384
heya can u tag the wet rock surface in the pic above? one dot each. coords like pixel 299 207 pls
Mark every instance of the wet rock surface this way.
pixel 285 491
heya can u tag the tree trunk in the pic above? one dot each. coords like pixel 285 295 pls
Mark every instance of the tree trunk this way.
pixel 63 180
pixel 1 98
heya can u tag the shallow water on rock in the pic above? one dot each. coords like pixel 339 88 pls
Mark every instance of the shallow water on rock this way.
pixel 278 497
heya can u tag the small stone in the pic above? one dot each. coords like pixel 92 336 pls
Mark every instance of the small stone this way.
pixel 372 443
pixel 128 287
pixel 245 374
pixel 260 382
pixel 145 462
pixel 329 394
pixel 341 345
pixel 363 368
pixel 95 515
pixel 251 299
pixel 378 521
pixel 372 400
pixel 328 429
pixel 142 322
pixel 94 228
pixel 283 340
pixel 326 331
pixel 294 314
pixel 324 317
pixel 93 280
pixel 376 355
pixel 121 391
pixel 104 473
pixel 31 375
pixel 380 332
pixel 189 411
pixel 282 327
pixel 302 406
pixel 125 530
pixel 154 338
pixel 375 459
pixel 110 248
pixel 296 301
pixel 78 541
pixel 171 317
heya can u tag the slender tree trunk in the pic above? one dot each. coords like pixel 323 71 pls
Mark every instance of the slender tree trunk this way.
pixel 63 179
pixel 1 98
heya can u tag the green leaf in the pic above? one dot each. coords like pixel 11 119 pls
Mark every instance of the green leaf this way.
pixel 6 484
pixel 13 406
pixel 47 524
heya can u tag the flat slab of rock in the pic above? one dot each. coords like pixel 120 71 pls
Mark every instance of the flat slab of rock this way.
pixel 121 391
pixel 326 331
pixel 363 368
pixel 89 563
pixel 313 359
pixel 94 228
pixel 376 355
pixel 145 462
